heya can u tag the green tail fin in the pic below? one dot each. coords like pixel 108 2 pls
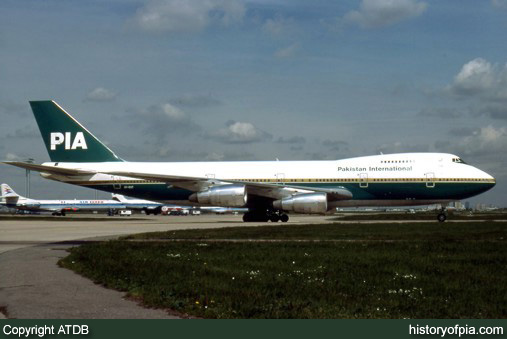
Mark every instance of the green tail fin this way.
pixel 65 138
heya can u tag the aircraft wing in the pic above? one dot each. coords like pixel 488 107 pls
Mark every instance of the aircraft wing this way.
pixel 48 169
pixel 263 189
pixel 190 183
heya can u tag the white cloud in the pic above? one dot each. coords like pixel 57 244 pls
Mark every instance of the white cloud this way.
pixel 484 142
pixel 474 75
pixel 187 16
pixel 481 79
pixel 172 112
pixel 162 121
pixel 100 94
pixel 380 13
pixel 240 133
pixel 288 51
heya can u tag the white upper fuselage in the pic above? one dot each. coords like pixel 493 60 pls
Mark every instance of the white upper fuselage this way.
pixel 389 166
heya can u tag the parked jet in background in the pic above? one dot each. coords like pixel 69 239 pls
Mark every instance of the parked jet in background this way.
pixel 11 199
pixel 267 188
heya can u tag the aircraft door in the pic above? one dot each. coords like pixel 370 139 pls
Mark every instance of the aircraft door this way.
pixel 280 178
pixel 363 180
pixel 430 179
pixel 116 182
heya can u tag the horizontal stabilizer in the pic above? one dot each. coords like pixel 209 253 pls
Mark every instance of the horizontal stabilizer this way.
pixel 118 197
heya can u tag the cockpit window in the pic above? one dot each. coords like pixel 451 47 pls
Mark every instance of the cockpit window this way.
pixel 458 160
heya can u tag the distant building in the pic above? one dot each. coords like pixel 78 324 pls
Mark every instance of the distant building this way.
pixel 480 207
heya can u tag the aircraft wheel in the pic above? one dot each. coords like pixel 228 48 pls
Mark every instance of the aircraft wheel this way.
pixel 274 218
pixel 442 217
pixel 246 217
pixel 284 218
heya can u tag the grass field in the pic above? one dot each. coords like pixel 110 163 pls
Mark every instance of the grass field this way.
pixel 423 215
pixel 412 270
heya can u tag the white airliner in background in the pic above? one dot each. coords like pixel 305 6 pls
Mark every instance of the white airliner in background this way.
pixel 11 199
pixel 268 189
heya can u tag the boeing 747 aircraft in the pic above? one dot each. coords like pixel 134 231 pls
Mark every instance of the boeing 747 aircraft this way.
pixel 268 189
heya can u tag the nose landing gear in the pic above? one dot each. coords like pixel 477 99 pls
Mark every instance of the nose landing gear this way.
pixel 442 216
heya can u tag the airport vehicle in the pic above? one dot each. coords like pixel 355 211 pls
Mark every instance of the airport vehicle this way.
pixel 11 199
pixel 268 189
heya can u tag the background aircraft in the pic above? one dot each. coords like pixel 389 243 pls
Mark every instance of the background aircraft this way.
pixel 267 188
pixel 11 199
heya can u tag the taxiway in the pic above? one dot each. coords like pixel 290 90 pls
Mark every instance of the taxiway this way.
pixel 32 286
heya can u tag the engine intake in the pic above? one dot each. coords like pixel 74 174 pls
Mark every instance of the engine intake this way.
pixel 224 196
pixel 310 203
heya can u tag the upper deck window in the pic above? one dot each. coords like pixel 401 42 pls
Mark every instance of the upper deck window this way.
pixel 397 161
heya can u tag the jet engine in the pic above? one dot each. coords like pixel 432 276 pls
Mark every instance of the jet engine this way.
pixel 223 195
pixel 311 203
pixel 30 204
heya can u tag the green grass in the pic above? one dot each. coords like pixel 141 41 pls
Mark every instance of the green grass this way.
pixel 375 231
pixel 418 270
pixel 421 215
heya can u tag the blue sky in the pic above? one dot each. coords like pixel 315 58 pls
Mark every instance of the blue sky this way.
pixel 173 80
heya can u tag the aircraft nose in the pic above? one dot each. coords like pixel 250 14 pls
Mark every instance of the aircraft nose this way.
pixel 489 179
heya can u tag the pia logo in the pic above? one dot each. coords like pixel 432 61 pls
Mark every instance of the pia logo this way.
pixel 57 138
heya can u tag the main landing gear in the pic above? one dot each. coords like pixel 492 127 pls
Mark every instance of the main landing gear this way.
pixel 265 216
pixel 442 216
